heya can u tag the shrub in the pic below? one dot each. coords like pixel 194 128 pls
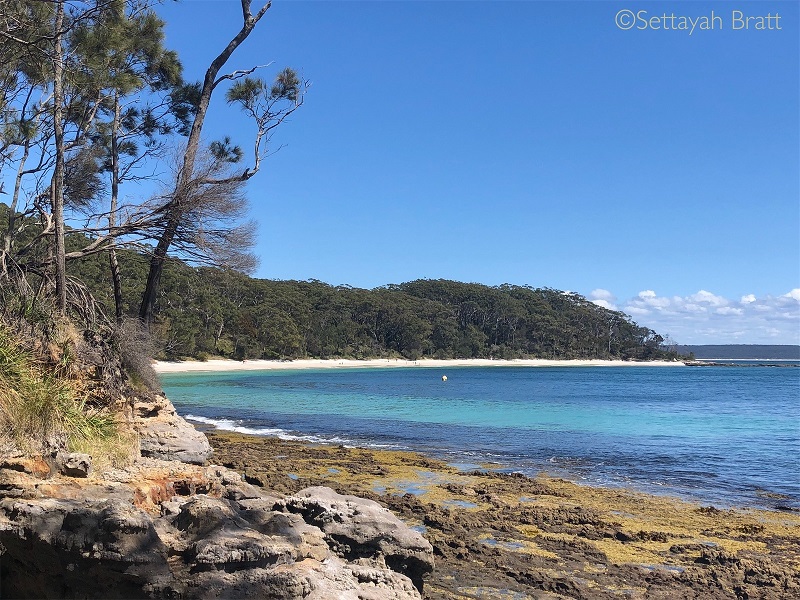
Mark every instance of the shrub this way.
pixel 41 411
pixel 136 349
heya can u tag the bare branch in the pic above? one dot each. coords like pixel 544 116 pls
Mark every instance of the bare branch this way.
pixel 240 73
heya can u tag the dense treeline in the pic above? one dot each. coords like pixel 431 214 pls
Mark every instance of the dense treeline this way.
pixel 206 311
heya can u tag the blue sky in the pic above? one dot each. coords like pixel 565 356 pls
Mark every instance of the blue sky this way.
pixel 534 143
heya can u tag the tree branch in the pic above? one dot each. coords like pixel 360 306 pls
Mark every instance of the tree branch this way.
pixel 240 73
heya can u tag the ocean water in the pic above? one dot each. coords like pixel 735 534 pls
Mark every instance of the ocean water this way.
pixel 728 436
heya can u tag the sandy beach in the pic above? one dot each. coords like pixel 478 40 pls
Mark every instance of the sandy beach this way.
pixel 273 365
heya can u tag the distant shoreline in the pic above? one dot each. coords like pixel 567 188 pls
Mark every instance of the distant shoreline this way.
pixel 748 359
pixel 290 365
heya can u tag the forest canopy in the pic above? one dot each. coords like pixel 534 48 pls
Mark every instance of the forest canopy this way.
pixel 203 311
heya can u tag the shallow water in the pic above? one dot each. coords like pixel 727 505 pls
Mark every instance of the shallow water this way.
pixel 729 436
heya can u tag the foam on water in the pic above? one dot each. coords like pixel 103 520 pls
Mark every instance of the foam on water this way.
pixel 238 427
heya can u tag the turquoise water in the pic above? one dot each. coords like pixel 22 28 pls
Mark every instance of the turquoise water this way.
pixel 724 435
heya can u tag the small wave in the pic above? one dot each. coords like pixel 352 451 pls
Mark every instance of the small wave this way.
pixel 230 425
pixel 238 427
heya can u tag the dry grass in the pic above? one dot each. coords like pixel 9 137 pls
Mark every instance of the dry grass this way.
pixel 136 346
pixel 42 408
pixel 115 450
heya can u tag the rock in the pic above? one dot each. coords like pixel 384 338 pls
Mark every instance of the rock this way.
pixel 167 527
pixel 309 579
pixel 334 579
pixel 356 528
pixel 308 541
pixel 74 464
pixel 237 488
pixel 165 435
pixel 105 538
pixel 63 548
pixel 33 466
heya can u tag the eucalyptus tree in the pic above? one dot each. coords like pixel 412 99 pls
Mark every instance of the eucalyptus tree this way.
pixel 196 178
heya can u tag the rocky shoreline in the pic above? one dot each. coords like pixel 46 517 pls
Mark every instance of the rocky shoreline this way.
pixel 169 528
pixel 498 536
pixel 280 519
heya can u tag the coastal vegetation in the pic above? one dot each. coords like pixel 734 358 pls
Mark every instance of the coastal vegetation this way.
pixel 56 396
pixel 207 311
pixel 102 155
pixel 202 311
pixel 91 100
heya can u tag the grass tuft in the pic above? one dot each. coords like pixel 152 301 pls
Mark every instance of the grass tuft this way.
pixel 42 410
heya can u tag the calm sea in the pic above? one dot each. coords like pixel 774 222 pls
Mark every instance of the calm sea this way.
pixel 723 435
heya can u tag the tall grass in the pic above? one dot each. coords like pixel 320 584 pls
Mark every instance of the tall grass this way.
pixel 41 409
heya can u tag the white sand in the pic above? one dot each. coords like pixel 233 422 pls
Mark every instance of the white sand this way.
pixel 273 365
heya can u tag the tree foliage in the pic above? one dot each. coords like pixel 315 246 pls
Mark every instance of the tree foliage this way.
pixel 209 311
pixel 90 101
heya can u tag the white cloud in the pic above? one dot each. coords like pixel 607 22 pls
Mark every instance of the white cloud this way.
pixel 729 310
pixel 603 298
pixel 648 300
pixel 795 294
pixel 705 317
pixel 604 304
pixel 694 308
pixel 601 294
pixel 708 298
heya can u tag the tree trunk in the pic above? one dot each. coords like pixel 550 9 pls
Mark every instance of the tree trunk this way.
pixel 116 278
pixel 57 182
pixel 183 190
pixel 156 267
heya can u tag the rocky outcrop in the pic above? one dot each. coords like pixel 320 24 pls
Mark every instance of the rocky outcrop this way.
pixel 357 528
pixel 163 434
pixel 163 529
pixel 74 464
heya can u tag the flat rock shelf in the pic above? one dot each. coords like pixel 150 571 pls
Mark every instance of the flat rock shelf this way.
pixel 168 526
pixel 502 535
